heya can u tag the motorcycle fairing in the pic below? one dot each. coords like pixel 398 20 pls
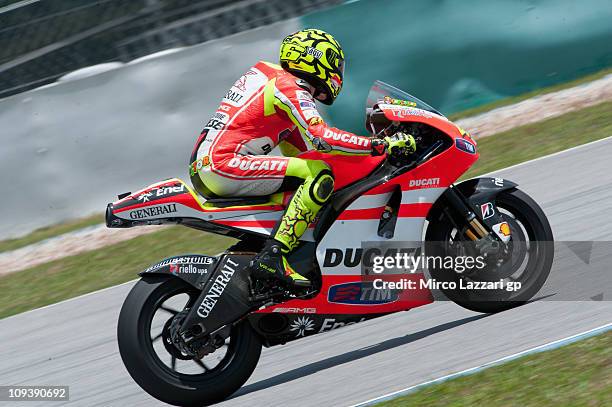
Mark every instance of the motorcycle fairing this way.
pixel 281 327
pixel 358 297
pixel 420 188
pixel 225 296
pixel 347 221
pixel 173 201
pixel 358 223
pixel 364 190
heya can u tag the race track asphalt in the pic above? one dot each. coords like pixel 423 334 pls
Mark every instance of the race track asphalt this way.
pixel 73 343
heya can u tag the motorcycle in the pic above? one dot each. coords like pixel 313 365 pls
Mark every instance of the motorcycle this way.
pixel 191 330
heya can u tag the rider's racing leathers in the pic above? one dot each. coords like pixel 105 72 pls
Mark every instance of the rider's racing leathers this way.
pixel 266 107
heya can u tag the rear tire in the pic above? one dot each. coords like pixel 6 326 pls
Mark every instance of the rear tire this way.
pixel 529 215
pixel 161 381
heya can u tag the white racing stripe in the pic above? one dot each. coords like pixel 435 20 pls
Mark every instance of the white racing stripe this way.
pixel 538 349
pixel 370 201
pixel 423 195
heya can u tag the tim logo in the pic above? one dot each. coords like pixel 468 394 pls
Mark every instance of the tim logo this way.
pixel 464 145
pixel 174 269
pixel 347 292
pixel 360 293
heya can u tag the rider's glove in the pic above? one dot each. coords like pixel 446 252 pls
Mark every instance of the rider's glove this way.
pixel 397 144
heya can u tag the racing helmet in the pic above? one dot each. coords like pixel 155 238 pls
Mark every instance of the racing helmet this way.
pixel 316 57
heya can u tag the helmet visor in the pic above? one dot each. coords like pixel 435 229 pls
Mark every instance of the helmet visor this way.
pixel 341 66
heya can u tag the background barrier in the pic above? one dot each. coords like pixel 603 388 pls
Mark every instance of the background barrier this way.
pixel 69 148
pixel 459 54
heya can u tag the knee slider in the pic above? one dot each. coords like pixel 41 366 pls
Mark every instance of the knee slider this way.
pixel 322 187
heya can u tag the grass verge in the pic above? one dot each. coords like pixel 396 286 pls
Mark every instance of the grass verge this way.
pixel 50 231
pixel 75 275
pixel 519 98
pixel 574 375
pixel 107 266
pixel 542 138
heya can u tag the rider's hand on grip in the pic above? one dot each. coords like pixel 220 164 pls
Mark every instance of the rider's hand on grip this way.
pixel 397 144
pixel 401 144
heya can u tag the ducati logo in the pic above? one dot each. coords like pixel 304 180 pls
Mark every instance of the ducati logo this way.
pixel 424 182
pixel 353 257
pixel 246 164
pixel 346 137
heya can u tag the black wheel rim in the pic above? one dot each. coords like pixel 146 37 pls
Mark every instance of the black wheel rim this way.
pixel 524 258
pixel 169 360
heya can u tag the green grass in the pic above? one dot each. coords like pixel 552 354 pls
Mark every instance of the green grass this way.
pixel 542 138
pixel 50 231
pixel 515 99
pixel 75 275
pixel 579 374
pixel 82 273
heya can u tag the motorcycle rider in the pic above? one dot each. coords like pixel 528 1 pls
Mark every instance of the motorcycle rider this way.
pixel 274 105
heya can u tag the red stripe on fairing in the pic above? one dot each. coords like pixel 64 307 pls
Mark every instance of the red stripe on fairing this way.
pixel 357 214
pixel 188 200
pixel 414 210
pixel 411 210
pixel 269 208
pixel 183 199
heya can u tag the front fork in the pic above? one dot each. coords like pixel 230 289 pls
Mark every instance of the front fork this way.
pixel 475 230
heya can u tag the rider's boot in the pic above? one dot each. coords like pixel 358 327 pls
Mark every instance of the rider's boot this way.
pixel 300 212
pixel 271 263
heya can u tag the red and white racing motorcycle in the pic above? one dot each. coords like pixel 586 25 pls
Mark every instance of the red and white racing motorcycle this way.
pixel 191 330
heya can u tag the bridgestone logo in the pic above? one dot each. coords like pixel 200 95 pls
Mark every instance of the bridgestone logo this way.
pixel 215 291
pixel 196 260
pixel 153 211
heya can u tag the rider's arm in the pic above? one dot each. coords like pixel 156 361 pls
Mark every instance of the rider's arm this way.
pixel 299 105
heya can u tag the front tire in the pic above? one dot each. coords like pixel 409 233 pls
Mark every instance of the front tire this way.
pixel 532 237
pixel 167 383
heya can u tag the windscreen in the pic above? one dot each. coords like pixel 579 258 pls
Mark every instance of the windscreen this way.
pixel 382 92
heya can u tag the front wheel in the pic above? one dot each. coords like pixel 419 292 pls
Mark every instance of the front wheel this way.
pixel 159 367
pixel 527 265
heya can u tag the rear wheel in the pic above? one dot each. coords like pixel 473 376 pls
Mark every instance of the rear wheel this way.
pixel 528 263
pixel 159 367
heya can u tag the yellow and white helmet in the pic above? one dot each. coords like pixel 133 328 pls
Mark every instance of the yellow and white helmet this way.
pixel 316 57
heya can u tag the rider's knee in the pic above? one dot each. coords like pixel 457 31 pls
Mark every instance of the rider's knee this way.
pixel 322 187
